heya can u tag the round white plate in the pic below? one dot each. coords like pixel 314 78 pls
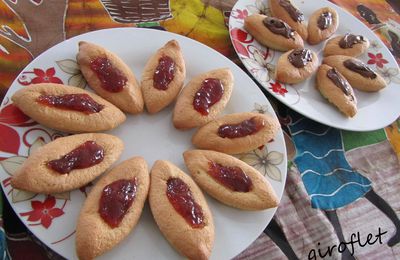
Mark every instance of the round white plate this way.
pixel 375 110
pixel 150 136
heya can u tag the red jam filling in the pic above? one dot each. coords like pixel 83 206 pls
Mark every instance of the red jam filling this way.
pixel 116 199
pixel 244 128
pixel 78 102
pixel 210 92
pixel 234 178
pixel 84 156
pixel 181 198
pixel 112 79
pixel 164 73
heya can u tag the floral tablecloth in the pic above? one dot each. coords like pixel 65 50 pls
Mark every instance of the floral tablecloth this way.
pixel 357 218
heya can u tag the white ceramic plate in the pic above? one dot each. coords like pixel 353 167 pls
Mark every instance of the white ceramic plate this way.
pixel 151 136
pixel 375 110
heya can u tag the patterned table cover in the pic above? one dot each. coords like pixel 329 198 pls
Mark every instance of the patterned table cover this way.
pixel 342 187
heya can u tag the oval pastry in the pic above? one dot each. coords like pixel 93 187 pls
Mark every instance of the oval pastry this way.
pixel 112 208
pixel 334 87
pixel 322 24
pixel 296 65
pixel 203 98
pixel 230 180
pixel 110 77
pixel 67 108
pixel 67 163
pixel 163 77
pixel 236 133
pixel 289 13
pixel 181 211
pixel 348 45
pixel 272 32
pixel 357 73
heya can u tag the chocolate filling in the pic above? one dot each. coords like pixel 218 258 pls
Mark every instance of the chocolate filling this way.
pixel 278 26
pixel 349 40
pixel 294 13
pixel 300 58
pixel 360 68
pixel 340 82
pixel 324 20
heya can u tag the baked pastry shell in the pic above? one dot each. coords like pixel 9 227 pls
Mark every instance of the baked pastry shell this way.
pixel 207 136
pixel 155 99
pixel 356 80
pixel 63 119
pixel 332 47
pixel 254 25
pixel 334 94
pixel 93 235
pixel 185 116
pixel 278 11
pixel 35 176
pixel 193 243
pixel 315 34
pixel 130 99
pixel 261 196
pixel 287 73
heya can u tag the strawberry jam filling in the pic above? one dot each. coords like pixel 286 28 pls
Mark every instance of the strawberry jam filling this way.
pixel 181 198
pixel 84 156
pixel 112 79
pixel 77 102
pixel 233 178
pixel 116 199
pixel 164 73
pixel 210 92
pixel 244 128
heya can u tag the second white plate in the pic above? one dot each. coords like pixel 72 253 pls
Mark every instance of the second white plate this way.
pixel 375 110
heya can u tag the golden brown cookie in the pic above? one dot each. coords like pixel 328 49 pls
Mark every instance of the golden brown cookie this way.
pixel 334 87
pixel 289 13
pixel 348 45
pixel 203 98
pixel 110 77
pixel 296 66
pixel 272 32
pixel 163 77
pixel 230 180
pixel 322 24
pixel 236 133
pixel 61 165
pixel 106 218
pixel 67 108
pixel 181 211
pixel 357 73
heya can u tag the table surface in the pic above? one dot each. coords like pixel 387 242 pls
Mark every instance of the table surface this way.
pixel 366 217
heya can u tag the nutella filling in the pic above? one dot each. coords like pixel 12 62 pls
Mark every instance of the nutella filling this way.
pixel 360 68
pixel 278 26
pixel 300 58
pixel 294 13
pixel 349 40
pixel 324 20
pixel 340 82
